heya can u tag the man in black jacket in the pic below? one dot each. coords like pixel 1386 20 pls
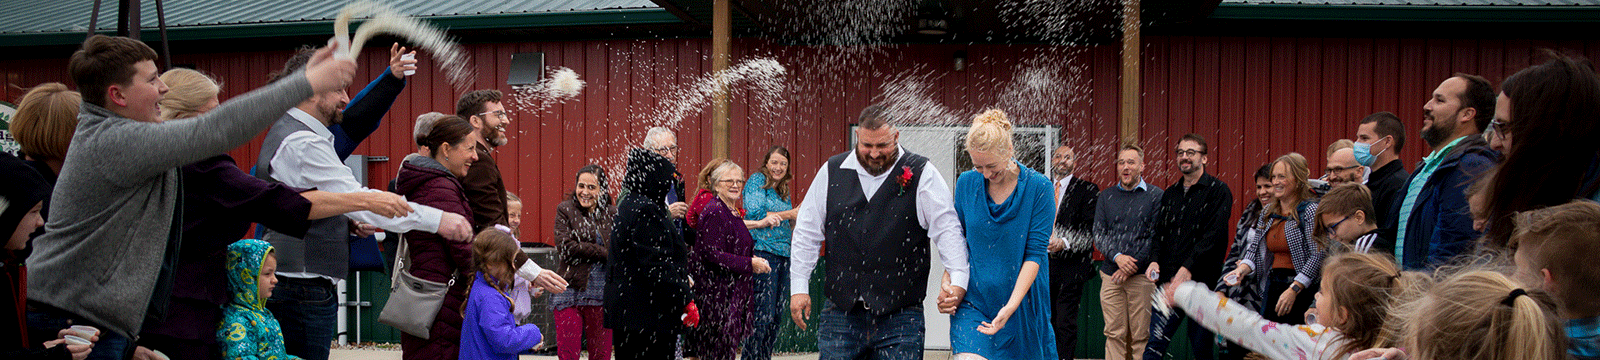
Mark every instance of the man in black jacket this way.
pixel 1070 248
pixel 1379 139
pixel 1191 234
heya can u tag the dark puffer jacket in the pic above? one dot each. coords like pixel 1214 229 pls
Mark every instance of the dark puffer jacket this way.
pixel 647 279
pixel 424 181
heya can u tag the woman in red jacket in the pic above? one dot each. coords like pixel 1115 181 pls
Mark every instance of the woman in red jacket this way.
pixel 434 180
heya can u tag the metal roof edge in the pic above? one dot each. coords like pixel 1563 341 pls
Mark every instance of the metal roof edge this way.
pixel 1452 13
pixel 614 17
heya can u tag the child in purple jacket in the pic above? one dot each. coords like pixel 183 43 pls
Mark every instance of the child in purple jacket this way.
pixel 488 330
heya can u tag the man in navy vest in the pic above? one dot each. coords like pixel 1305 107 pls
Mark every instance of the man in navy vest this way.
pixel 878 208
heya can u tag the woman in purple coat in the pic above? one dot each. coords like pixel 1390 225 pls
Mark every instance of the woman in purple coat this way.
pixel 722 265
pixel 434 180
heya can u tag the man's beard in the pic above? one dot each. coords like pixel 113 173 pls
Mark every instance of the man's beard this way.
pixel 335 117
pixel 1063 171
pixel 1436 135
pixel 1191 169
pixel 875 171
pixel 494 136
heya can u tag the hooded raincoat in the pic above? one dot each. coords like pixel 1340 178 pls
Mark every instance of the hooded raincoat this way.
pixel 248 330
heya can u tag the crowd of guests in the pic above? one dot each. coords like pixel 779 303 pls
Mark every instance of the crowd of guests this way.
pixel 1477 252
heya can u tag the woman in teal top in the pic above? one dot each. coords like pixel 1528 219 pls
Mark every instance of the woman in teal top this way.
pixel 1007 211
pixel 770 216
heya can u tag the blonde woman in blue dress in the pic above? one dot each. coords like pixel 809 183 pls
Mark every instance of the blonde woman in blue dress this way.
pixel 1007 211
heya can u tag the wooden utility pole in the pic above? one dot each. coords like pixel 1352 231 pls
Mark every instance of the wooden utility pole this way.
pixel 721 37
pixel 1131 89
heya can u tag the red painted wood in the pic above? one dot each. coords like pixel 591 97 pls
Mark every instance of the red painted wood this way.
pixel 1253 98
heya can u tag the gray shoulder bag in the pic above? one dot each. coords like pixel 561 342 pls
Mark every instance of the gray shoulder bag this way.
pixel 413 302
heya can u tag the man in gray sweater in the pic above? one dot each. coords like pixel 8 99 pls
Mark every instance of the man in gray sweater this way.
pixel 1123 218
pixel 106 258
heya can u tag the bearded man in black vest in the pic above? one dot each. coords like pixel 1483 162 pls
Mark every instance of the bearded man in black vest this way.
pixel 879 208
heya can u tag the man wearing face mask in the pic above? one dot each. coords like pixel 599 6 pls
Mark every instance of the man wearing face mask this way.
pixel 1379 139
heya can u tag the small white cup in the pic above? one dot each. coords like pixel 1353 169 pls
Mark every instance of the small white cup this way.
pixel 409 56
pixel 1232 279
pixel 160 355
pixel 83 331
pixel 75 340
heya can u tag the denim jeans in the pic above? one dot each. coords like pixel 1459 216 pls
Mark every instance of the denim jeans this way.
pixel 1163 327
pixel 855 333
pixel 771 307
pixel 45 323
pixel 307 310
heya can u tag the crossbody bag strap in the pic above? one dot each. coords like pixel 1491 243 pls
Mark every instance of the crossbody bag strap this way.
pixel 402 262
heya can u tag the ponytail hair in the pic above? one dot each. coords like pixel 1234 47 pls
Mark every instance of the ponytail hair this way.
pixel 1483 315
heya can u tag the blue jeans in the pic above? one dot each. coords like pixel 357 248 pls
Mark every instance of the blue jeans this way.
pixel 307 310
pixel 771 307
pixel 1163 327
pixel 44 323
pixel 857 334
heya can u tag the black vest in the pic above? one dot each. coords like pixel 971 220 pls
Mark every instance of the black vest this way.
pixel 324 250
pixel 877 252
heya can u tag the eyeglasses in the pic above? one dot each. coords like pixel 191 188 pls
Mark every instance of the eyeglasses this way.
pixel 1333 228
pixel 665 149
pixel 497 113
pixel 1190 152
pixel 732 182
pixel 1333 169
pixel 1499 127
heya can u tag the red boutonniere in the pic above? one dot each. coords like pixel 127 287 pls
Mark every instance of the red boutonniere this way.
pixel 905 179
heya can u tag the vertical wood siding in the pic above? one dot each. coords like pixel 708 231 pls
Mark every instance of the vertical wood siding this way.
pixel 1253 98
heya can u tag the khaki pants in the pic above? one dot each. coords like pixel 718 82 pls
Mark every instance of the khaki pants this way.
pixel 1126 307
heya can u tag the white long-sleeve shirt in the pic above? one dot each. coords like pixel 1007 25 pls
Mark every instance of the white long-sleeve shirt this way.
pixel 306 160
pixel 1249 329
pixel 936 212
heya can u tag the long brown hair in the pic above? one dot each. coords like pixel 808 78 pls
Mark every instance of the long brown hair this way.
pixel 1365 287
pixel 1555 115
pixel 493 251
pixel 1298 174
pixel 781 186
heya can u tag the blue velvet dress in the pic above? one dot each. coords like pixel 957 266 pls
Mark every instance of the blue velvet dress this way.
pixel 1000 238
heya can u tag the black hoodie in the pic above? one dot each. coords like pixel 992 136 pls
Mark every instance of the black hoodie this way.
pixel 647 281
pixel 21 187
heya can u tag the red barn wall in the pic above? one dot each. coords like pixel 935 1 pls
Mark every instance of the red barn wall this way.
pixel 1253 98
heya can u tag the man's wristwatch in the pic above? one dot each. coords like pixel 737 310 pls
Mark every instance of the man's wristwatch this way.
pixel 1296 287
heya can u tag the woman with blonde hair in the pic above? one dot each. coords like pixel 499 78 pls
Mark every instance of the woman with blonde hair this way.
pixel 223 200
pixel 1008 212
pixel 1283 261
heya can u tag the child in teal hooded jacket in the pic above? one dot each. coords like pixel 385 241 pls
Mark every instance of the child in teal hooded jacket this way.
pixel 248 329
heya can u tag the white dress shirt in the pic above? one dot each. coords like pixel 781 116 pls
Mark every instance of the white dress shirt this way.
pixel 1061 187
pixel 306 160
pixel 936 212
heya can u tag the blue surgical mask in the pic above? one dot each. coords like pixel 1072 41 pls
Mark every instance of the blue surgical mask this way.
pixel 1364 155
